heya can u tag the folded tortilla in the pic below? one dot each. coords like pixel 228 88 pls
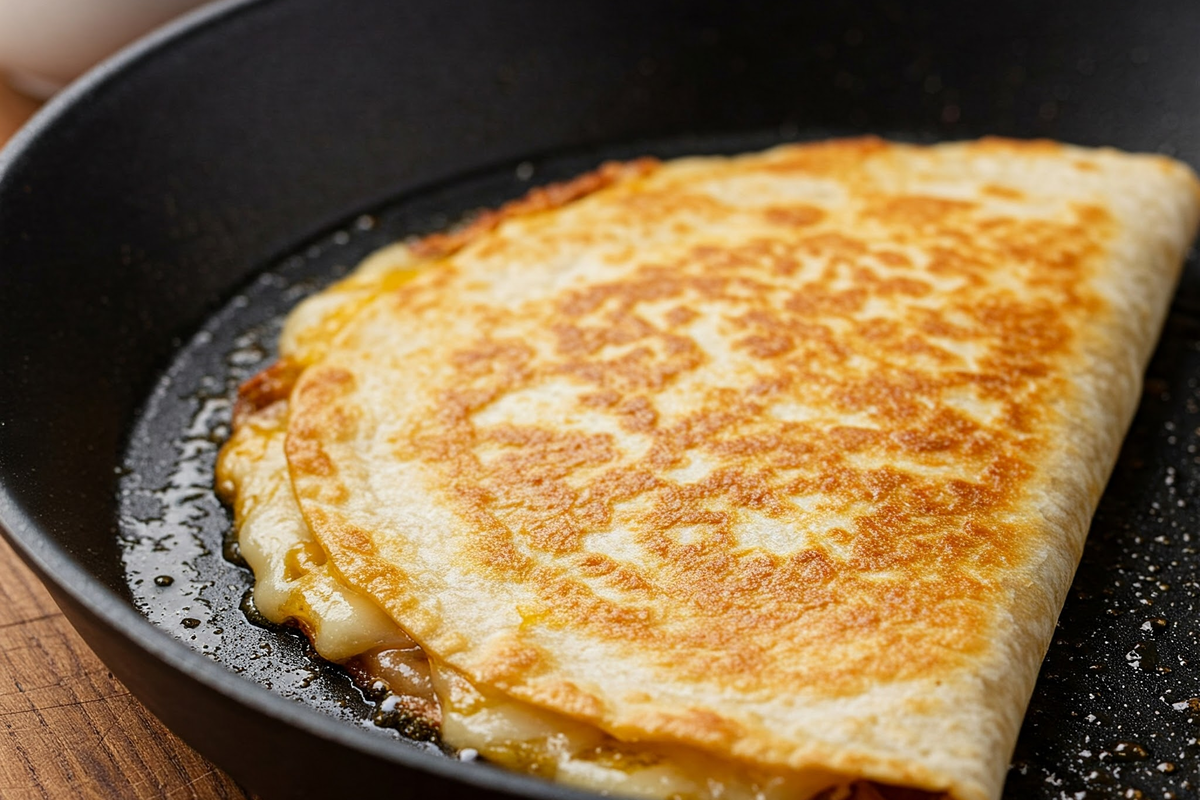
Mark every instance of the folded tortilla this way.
pixel 772 468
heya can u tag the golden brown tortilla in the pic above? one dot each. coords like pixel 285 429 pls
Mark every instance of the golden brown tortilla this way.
pixel 786 459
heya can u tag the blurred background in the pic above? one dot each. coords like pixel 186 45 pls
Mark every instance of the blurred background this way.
pixel 46 44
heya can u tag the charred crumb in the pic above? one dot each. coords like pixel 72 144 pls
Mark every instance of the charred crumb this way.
pixel 415 717
pixel 409 716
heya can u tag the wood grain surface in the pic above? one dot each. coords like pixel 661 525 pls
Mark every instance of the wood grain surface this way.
pixel 68 729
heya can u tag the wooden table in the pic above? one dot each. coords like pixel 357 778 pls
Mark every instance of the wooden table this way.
pixel 67 728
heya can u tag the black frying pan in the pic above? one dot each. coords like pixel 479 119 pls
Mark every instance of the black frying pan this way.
pixel 141 202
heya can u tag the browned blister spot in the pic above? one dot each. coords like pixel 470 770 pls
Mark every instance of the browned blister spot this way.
pixel 681 315
pixel 672 206
pixel 306 455
pixel 832 501
pixel 1003 192
pixel 344 536
pixel 511 658
pixel 838 157
pixel 794 216
pixel 915 211
pixel 270 386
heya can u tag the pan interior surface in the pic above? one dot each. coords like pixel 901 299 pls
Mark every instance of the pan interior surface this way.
pixel 1117 701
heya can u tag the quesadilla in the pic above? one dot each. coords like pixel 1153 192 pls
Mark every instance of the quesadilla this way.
pixel 752 476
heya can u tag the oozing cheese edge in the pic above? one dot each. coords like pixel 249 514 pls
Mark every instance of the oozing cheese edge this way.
pixel 296 584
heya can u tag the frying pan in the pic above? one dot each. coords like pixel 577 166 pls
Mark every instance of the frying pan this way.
pixel 138 207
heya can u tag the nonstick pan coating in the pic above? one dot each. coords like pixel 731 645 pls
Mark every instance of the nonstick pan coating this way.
pixel 146 197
